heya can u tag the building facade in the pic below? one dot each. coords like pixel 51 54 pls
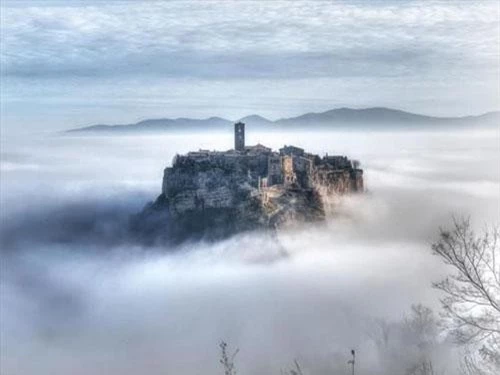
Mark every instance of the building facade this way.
pixel 262 168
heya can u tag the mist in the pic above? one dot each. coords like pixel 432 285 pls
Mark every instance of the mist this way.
pixel 79 296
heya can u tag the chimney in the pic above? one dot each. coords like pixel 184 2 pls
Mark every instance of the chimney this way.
pixel 239 136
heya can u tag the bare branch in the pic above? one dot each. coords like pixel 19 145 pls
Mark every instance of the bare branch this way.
pixel 471 299
pixel 227 360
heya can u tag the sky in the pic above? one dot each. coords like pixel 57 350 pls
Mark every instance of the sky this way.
pixel 68 64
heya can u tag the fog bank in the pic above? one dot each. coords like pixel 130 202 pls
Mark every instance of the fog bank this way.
pixel 79 297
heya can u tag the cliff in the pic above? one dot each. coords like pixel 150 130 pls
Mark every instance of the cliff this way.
pixel 212 194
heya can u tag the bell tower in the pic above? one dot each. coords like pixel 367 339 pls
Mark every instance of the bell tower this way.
pixel 239 136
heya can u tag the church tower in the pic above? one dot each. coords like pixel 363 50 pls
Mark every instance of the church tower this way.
pixel 239 136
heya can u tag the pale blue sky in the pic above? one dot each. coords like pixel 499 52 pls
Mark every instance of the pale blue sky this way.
pixel 122 61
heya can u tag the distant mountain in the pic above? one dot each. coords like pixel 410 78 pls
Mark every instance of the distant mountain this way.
pixel 381 117
pixel 159 125
pixel 341 118
pixel 256 120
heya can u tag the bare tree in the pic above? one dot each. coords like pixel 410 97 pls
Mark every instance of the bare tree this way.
pixel 379 331
pixel 420 331
pixel 469 365
pixel 420 327
pixel 227 360
pixel 423 368
pixel 408 346
pixel 294 371
pixel 471 299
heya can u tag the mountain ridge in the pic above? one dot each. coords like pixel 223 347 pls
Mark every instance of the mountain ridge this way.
pixel 339 118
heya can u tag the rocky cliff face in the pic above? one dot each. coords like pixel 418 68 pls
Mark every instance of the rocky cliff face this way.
pixel 213 195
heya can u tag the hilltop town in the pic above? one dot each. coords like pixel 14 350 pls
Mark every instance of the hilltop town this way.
pixel 213 194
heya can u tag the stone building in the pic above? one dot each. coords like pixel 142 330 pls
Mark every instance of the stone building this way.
pixel 239 136
pixel 274 170
pixel 212 194
pixel 263 168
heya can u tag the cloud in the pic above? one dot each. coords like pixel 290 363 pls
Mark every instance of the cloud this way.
pixel 235 40
pixel 76 290
pixel 117 62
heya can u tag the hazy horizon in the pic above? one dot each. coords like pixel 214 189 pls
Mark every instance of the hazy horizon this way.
pixel 94 62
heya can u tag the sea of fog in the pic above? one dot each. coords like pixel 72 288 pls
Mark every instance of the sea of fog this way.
pixel 77 297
